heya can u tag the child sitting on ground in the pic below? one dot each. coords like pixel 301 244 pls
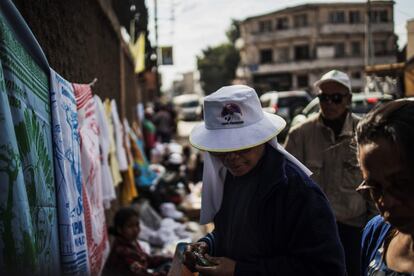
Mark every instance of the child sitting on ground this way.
pixel 127 256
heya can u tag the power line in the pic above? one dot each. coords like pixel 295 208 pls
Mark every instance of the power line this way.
pixel 406 14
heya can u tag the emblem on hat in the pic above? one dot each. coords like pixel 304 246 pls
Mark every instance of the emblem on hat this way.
pixel 231 114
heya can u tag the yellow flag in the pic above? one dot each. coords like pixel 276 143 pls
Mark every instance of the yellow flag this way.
pixel 138 52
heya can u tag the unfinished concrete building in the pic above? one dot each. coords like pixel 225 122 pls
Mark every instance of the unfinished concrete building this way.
pixel 290 49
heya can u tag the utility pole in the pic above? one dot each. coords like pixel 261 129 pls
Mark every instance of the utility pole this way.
pixel 368 36
pixel 157 79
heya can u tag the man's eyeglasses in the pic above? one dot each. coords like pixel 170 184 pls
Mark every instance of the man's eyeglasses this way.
pixel 399 191
pixel 368 192
pixel 335 98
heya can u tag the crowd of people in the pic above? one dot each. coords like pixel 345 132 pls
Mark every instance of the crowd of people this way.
pixel 335 199
pixel 300 209
pixel 144 232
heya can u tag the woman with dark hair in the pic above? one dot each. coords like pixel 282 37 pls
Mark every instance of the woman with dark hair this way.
pixel 127 256
pixel 386 152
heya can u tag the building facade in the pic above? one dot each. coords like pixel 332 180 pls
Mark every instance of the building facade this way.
pixel 188 84
pixel 291 48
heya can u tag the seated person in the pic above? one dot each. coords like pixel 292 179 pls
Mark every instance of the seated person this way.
pixel 127 256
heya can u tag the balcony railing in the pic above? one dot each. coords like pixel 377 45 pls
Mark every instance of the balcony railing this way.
pixel 325 29
pixel 342 28
pixel 281 34
pixel 292 65
pixel 355 28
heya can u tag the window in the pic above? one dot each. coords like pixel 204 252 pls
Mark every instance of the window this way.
pixel 283 54
pixel 383 16
pixel 339 50
pixel 265 103
pixel 266 56
pixel 354 17
pixel 302 52
pixel 265 26
pixel 337 17
pixel 378 16
pixel 356 48
pixel 356 75
pixel 303 80
pixel 380 48
pixel 194 103
pixel 301 20
pixel 282 23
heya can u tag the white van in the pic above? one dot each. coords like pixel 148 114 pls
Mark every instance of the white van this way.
pixel 285 103
pixel 188 107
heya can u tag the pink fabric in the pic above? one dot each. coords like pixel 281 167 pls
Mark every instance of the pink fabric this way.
pixel 96 233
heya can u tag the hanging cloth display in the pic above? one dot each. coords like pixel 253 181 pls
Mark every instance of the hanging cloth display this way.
pixel 128 188
pixel 96 232
pixel 113 160
pixel 108 189
pixel 28 226
pixel 68 174
pixel 119 138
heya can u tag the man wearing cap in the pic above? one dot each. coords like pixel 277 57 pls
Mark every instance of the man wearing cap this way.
pixel 270 218
pixel 325 144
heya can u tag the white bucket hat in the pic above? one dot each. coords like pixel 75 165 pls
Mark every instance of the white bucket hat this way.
pixel 336 76
pixel 234 120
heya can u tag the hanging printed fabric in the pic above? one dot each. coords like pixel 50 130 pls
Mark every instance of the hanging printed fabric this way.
pixel 113 160
pixel 128 189
pixel 119 138
pixel 29 241
pixel 66 143
pixel 96 233
pixel 108 189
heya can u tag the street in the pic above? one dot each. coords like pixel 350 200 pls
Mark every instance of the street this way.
pixel 184 129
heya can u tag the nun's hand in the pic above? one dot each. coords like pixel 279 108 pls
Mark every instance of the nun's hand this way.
pixel 190 258
pixel 224 267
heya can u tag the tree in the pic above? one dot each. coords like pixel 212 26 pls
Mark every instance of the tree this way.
pixel 217 65
pixel 233 32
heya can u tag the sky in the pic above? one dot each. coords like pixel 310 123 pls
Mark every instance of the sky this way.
pixel 192 25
